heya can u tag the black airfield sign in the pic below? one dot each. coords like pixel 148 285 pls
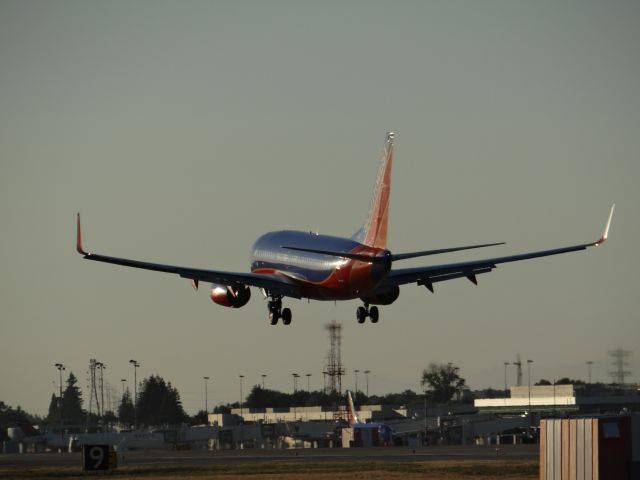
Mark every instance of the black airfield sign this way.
pixel 98 457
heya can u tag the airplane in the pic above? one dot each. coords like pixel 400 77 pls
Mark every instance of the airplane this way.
pixel 308 265
pixel 381 434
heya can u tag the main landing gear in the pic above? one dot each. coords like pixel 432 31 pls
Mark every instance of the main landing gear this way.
pixel 363 312
pixel 276 311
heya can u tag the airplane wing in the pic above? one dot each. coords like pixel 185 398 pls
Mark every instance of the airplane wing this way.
pixel 427 276
pixel 273 283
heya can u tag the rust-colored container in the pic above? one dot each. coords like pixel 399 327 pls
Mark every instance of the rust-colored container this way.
pixel 586 448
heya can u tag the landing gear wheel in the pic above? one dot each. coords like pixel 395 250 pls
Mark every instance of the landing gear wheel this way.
pixel 361 314
pixel 374 314
pixel 275 310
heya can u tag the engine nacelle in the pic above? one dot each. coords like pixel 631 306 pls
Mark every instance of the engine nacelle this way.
pixel 383 298
pixel 228 296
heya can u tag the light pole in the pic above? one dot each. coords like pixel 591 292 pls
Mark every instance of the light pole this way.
pixel 529 362
pixel 295 389
pixel 123 380
pixel 589 363
pixel 366 376
pixel 357 372
pixel 505 376
pixel 135 392
pixel 324 382
pixel 206 399
pixel 424 441
pixel 308 375
pixel 263 377
pixel 60 368
pixel 241 377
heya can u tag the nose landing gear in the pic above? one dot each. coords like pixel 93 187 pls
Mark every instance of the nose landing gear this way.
pixel 363 312
pixel 276 311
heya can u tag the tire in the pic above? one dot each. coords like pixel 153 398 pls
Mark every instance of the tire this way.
pixel 361 314
pixel 286 316
pixel 273 318
pixel 374 314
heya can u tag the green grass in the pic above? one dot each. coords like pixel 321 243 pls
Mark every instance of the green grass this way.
pixel 461 469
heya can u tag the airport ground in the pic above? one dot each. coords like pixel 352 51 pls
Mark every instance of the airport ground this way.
pixel 513 462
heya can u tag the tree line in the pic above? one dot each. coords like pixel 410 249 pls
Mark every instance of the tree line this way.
pixel 159 404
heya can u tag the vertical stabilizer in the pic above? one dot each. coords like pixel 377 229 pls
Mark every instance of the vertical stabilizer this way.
pixel 351 411
pixel 374 232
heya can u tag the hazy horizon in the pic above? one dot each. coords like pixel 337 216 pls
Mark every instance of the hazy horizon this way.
pixel 183 131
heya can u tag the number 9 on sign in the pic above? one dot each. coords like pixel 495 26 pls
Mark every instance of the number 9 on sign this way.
pixel 95 457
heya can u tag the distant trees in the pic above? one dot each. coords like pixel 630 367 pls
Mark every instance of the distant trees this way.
pixel 200 418
pixel 126 411
pixel 54 409
pixel 261 398
pixel 443 381
pixel 159 403
pixel 562 381
pixel 72 402
pixel 569 381
pixel 12 417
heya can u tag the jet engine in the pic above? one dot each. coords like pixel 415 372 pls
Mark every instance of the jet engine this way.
pixel 386 297
pixel 230 296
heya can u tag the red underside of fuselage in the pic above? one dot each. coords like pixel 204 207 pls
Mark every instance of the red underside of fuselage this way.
pixel 352 280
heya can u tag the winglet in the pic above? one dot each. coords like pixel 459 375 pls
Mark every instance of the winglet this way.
pixel 605 233
pixel 79 248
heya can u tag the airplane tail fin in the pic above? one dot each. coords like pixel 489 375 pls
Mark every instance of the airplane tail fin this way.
pixel 351 411
pixel 374 231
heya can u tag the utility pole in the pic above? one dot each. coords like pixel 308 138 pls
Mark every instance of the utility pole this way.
pixel 529 362
pixel 518 365
pixel 505 376
pixel 366 376
pixel 295 389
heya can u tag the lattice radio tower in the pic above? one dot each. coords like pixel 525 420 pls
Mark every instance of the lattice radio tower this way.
pixel 619 355
pixel 335 369
pixel 93 394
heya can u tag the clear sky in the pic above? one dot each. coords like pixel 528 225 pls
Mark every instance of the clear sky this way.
pixel 183 130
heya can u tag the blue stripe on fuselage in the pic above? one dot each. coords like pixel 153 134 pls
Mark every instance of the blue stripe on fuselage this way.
pixel 267 252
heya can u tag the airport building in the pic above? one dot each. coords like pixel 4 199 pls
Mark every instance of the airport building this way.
pixel 570 399
pixel 367 413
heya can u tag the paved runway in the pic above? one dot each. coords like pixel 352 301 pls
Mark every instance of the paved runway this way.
pixel 164 458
